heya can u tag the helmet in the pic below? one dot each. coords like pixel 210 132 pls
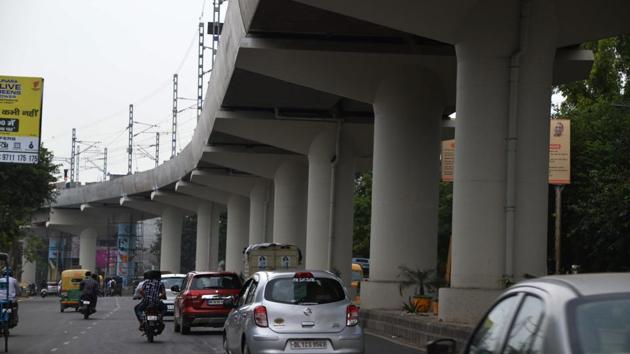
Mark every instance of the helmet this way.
pixel 153 275
pixel 7 271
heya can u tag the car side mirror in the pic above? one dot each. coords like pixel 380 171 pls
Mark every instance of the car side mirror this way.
pixel 442 346
pixel 175 288
pixel 229 303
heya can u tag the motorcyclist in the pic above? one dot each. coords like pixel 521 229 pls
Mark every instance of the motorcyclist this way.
pixel 89 289
pixel 111 285
pixel 151 292
pixel 14 290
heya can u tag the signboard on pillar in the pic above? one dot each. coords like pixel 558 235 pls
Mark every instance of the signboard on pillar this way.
pixel 448 160
pixel 20 119
pixel 560 151
pixel 53 249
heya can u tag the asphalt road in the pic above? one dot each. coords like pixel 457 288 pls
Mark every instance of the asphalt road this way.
pixel 114 329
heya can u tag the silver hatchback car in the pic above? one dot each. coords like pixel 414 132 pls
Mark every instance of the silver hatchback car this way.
pixel 562 314
pixel 293 312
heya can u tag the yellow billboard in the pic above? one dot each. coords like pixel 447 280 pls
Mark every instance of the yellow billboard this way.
pixel 559 151
pixel 20 118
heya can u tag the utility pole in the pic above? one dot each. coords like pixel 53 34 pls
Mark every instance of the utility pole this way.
pixel 200 71
pixel 78 164
pixel 558 241
pixel 130 146
pixel 157 149
pixel 216 28
pixel 72 154
pixel 105 165
pixel 174 128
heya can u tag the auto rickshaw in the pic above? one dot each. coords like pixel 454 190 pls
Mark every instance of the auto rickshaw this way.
pixel 70 293
pixel 357 277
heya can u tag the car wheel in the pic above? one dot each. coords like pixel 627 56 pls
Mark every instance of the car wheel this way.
pixel 185 329
pixel 176 325
pixel 61 308
pixel 225 344
pixel 245 348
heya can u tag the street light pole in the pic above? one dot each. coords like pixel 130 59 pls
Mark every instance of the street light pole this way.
pixel 558 188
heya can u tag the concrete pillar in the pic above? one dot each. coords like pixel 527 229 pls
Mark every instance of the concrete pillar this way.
pixel 29 271
pixel 493 86
pixel 204 229
pixel 237 233
pixel 408 109
pixel 320 156
pixel 171 250
pixel 289 215
pixel 270 213
pixel 478 241
pixel 87 249
pixel 532 154
pixel 217 209
pixel 344 211
pixel 258 198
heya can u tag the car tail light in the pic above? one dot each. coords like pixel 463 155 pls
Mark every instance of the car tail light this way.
pixel 192 300
pixel 260 316
pixel 352 315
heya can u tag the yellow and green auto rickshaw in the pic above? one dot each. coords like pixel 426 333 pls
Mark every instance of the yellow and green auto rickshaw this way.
pixel 70 293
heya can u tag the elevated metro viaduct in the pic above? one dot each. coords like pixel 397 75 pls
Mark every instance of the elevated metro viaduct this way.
pixel 306 93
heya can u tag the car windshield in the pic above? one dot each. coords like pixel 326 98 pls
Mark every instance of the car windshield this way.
pixel 228 281
pixel 602 324
pixel 314 291
pixel 170 282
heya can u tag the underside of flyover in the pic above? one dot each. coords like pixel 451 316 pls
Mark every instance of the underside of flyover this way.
pixel 306 93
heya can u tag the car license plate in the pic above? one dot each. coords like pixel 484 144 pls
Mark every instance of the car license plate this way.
pixel 152 318
pixel 86 302
pixel 308 344
pixel 170 307
pixel 215 302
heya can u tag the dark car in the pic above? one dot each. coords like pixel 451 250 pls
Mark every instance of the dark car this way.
pixel 581 313
pixel 199 302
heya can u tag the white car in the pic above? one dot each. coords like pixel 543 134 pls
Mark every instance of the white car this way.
pixel 286 312
pixel 170 280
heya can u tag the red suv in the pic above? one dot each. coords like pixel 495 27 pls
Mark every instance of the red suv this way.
pixel 200 300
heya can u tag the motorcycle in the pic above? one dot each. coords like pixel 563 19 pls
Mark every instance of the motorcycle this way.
pixel 152 323
pixel 85 308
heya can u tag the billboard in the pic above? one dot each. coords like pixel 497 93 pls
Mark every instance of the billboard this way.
pixel 20 118
pixel 448 160
pixel 559 151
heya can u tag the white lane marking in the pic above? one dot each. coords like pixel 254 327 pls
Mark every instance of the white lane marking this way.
pixel 66 343
pixel 82 332
pixel 89 328
pixel 217 349
pixel 75 337
pixel 54 349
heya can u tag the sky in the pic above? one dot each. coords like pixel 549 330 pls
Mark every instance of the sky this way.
pixel 97 58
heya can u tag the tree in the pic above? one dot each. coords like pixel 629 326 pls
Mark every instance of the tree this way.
pixel 596 205
pixel 362 215
pixel 25 188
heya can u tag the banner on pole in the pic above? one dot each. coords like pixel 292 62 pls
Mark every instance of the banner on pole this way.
pixel 448 160
pixel 20 119
pixel 560 151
